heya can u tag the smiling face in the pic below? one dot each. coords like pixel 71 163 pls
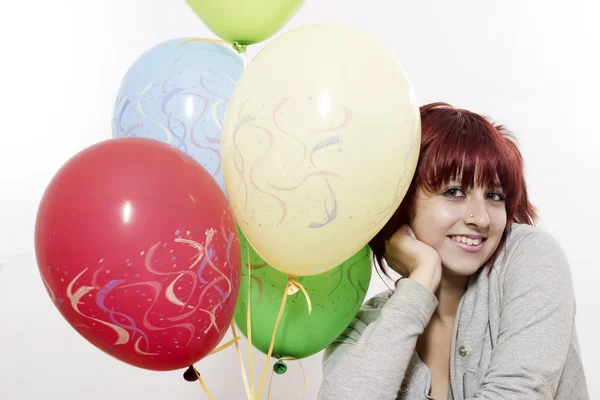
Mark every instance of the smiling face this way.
pixel 466 166
pixel 465 225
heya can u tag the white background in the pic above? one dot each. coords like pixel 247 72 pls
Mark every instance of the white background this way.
pixel 530 64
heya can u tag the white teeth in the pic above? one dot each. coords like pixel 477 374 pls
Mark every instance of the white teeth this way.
pixel 466 240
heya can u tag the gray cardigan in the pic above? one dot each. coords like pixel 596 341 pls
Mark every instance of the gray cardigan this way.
pixel 514 334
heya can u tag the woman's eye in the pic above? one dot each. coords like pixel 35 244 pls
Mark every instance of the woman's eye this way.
pixel 496 196
pixel 453 193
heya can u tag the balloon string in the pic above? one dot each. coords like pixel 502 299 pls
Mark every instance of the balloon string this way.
pixel 249 328
pixel 208 393
pixel 242 369
pixel 233 341
pixel 226 345
pixel 266 368
pixel 293 288
pixel 272 372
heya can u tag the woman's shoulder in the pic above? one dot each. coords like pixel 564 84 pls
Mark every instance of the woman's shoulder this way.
pixel 519 232
pixel 531 238
pixel 531 249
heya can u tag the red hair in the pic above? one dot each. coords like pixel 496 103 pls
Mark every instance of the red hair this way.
pixel 457 143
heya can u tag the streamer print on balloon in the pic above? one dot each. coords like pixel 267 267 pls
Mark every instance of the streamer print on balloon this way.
pixel 335 296
pixel 177 92
pixel 138 250
pixel 310 155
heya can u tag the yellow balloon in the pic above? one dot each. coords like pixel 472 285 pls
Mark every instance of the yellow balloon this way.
pixel 319 145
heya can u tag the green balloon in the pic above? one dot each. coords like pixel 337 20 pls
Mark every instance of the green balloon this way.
pixel 336 297
pixel 245 21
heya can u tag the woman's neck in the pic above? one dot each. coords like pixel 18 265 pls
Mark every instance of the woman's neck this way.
pixel 449 293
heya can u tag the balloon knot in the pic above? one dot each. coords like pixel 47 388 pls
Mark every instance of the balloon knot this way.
pixel 240 48
pixel 190 375
pixel 280 368
pixel 292 288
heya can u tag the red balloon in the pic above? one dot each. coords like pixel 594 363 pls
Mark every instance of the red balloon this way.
pixel 138 250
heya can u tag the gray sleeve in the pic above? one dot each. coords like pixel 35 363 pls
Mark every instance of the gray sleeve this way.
pixel 369 360
pixel 537 313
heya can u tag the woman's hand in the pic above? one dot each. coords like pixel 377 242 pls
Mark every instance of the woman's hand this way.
pixel 413 259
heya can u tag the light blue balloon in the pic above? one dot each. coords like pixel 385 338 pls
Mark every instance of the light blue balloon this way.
pixel 177 93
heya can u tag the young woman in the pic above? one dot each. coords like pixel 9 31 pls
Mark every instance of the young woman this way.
pixel 485 308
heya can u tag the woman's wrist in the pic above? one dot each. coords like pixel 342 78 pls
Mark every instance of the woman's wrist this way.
pixel 428 275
